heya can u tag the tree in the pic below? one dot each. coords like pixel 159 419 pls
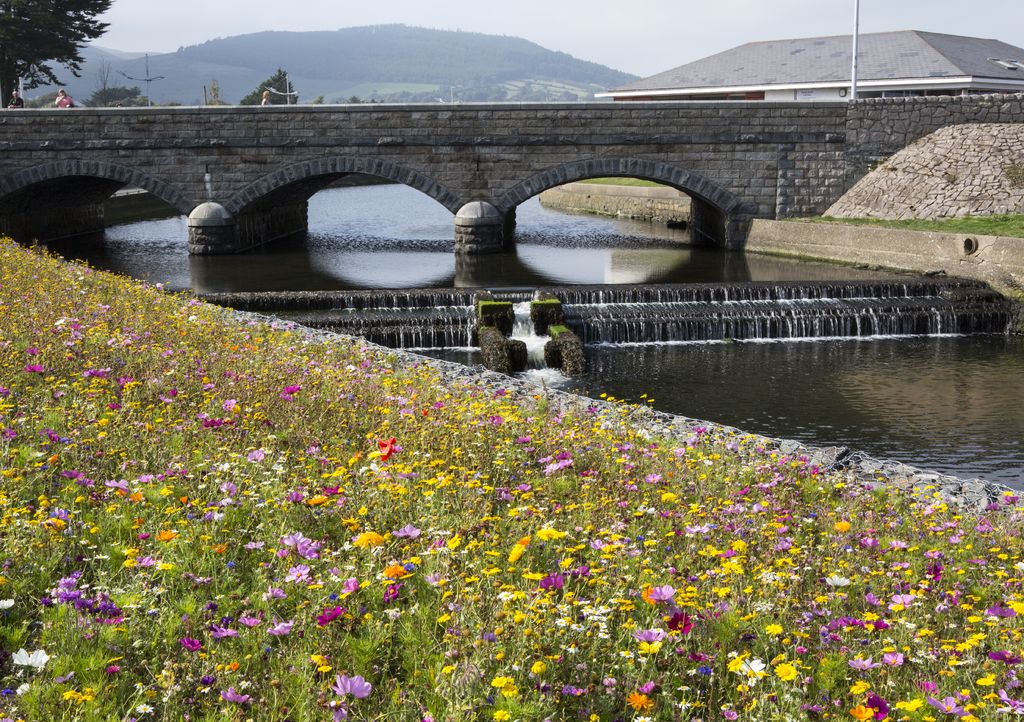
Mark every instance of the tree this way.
pixel 116 96
pixel 36 33
pixel 278 85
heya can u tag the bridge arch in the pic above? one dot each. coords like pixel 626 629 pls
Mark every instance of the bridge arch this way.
pixel 716 216
pixel 312 175
pixel 690 183
pixel 119 175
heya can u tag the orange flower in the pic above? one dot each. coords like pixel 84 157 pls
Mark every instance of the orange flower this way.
pixel 395 571
pixel 640 702
pixel 646 595
pixel 862 712
pixel 368 539
pixel 165 535
pixel 219 548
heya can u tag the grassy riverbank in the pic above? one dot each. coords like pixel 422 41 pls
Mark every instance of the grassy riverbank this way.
pixel 229 521
pixel 1002 225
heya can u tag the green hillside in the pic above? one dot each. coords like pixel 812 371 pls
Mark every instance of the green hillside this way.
pixel 389 63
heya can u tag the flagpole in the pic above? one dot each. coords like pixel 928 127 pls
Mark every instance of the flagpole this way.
pixel 856 33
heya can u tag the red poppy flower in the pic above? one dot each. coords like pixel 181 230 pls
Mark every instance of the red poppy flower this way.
pixel 387 448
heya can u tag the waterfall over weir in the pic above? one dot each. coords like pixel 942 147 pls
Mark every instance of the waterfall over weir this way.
pixel 444 318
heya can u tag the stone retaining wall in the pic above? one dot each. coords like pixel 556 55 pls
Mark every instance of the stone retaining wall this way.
pixel 956 171
pixel 658 204
pixel 996 260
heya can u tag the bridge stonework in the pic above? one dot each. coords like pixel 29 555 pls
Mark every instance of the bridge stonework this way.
pixel 260 165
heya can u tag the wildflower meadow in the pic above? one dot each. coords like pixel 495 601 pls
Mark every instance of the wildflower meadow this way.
pixel 207 518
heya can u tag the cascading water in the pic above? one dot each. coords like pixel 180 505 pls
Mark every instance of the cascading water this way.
pixel 522 330
pixel 444 318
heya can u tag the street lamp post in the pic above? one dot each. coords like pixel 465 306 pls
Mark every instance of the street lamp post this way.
pixel 856 33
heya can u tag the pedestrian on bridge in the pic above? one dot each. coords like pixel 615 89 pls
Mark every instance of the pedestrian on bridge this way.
pixel 16 101
pixel 64 100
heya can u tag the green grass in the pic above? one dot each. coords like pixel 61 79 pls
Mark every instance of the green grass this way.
pixel 622 182
pixel 1011 224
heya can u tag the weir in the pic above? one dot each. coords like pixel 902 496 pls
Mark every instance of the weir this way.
pixel 444 318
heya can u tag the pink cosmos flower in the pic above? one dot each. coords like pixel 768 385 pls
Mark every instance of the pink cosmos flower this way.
pixel 281 629
pixel 329 615
pixel 949 705
pixel 355 686
pixel 894 659
pixel 351 585
pixel 663 593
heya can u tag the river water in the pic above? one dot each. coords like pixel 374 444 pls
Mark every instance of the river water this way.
pixel 949 404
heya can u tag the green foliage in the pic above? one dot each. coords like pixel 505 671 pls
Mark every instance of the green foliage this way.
pixel 556 331
pixel 278 84
pixel 35 34
pixel 116 96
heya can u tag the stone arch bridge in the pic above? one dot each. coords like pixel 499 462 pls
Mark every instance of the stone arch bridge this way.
pixel 244 174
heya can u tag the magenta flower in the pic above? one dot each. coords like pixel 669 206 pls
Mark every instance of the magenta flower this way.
pixel 192 645
pixel 230 695
pixel 351 585
pixel 680 622
pixel 355 686
pixel 35 368
pixel 298 573
pixel 329 615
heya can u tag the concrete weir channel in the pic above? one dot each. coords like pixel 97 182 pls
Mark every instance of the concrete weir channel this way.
pixel 449 318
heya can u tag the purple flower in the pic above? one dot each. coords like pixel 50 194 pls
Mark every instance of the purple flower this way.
pixel 190 644
pixel 1005 657
pixel 949 705
pixel 663 593
pixel 552 581
pixel 391 593
pixel 649 635
pixel 355 686
pixel 879 705
pixel 407 532
pixel 221 632
pixel 230 695
pixel 350 586
pixel 250 621
pixel 280 629
pixel 863 664
pixel 298 573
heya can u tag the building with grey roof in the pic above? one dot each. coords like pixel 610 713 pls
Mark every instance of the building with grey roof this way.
pixel 908 62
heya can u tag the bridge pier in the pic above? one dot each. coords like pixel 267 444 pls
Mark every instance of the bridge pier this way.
pixel 214 231
pixel 479 228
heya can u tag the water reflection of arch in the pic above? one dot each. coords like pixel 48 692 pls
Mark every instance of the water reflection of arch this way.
pixel 74 182
pixel 297 182
pixel 713 207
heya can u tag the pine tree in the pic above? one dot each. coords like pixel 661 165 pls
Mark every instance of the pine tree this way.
pixel 36 33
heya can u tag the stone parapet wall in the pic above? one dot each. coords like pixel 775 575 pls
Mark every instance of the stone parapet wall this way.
pixel 958 170
pixel 660 204
pixel 996 260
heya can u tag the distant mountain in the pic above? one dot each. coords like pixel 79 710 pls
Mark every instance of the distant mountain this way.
pixel 389 63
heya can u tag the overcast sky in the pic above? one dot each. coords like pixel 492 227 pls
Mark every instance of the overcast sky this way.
pixel 642 37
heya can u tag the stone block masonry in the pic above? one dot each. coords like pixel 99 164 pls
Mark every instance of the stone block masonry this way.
pixel 737 161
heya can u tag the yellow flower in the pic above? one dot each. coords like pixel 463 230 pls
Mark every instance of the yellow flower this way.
pixel 455 542
pixel 517 551
pixel 773 629
pixel 842 526
pixel 860 688
pixel 910 706
pixel 650 647
pixel 786 672
pixel 501 715
pixel 987 681
pixel 539 668
pixel 549 534
pixel 500 682
pixel 368 539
